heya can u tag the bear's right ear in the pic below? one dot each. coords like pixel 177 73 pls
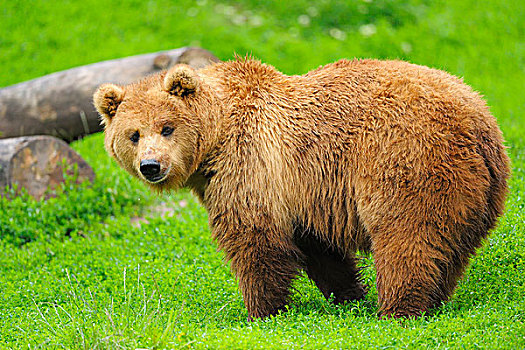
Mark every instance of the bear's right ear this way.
pixel 181 80
pixel 106 99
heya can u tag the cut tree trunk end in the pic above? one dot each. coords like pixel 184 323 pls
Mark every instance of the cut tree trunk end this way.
pixel 38 164
pixel 60 104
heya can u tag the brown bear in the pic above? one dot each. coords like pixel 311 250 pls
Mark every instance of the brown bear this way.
pixel 300 172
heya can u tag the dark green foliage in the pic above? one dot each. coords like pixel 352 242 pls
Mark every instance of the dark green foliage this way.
pixel 68 209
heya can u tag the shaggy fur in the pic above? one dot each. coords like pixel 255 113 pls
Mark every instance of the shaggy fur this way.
pixel 300 172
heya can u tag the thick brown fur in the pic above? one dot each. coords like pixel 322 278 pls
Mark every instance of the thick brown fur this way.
pixel 300 172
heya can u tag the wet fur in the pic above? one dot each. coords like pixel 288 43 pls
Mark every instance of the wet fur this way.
pixel 300 172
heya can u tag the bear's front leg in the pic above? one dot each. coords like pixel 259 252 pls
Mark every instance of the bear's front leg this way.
pixel 264 260
pixel 264 274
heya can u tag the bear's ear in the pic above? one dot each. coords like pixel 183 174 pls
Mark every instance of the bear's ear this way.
pixel 181 80
pixel 106 99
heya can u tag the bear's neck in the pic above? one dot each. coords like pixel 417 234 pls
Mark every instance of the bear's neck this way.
pixel 230 88
pixel 243 86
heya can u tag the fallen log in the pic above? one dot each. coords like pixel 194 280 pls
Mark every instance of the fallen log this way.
pixel 38 164
pixel 60 104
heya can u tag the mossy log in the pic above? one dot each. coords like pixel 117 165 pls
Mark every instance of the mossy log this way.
pixel 60 104
pixel 38 164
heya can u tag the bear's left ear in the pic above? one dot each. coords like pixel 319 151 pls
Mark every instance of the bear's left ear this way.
pixel 106 99
pixel 181 80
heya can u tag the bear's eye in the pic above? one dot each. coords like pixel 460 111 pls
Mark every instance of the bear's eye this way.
pixel 135 137
pixel 166 131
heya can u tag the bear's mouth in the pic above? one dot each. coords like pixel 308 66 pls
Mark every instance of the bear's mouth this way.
pixel 157 178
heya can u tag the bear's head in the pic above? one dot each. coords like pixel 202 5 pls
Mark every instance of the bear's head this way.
pixel 155 128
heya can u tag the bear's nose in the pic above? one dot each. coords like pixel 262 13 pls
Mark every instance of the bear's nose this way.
pixel 149 167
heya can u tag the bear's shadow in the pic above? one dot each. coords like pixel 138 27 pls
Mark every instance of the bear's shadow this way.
pixel 306 299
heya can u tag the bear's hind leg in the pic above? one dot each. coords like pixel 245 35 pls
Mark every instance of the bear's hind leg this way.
pixel 331 272
pixel 409 271
pixel 462 249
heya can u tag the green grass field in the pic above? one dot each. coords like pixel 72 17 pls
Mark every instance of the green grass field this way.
pixel 115 266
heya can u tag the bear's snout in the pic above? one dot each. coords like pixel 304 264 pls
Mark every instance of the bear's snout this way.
pixel 150 168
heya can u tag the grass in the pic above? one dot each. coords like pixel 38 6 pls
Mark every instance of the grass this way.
pixel 102 266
